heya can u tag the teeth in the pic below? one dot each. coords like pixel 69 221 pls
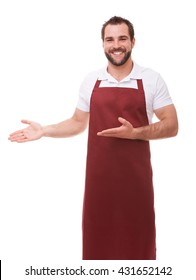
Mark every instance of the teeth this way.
pixel 117 53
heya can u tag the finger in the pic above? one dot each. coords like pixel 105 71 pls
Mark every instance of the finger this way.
pixel 123 121
pixel 20 134
pixel 17 133
pixel 22 140
pixel 18 139
pixel 105 134
pixel 26 122
pixel 108 132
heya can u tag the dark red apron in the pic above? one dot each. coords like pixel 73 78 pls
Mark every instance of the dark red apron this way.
pixel 118 213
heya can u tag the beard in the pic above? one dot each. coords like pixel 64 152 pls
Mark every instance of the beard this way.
pixel 127 55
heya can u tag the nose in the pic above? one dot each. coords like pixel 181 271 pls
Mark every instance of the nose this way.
pixel 116 44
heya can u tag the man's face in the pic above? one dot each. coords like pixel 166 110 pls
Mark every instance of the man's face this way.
pixel 117 44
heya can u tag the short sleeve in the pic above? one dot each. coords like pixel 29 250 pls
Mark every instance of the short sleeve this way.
pixel 161 95
pixel 85 92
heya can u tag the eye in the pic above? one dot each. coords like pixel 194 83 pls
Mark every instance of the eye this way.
pixel 108 39
pixel 123 38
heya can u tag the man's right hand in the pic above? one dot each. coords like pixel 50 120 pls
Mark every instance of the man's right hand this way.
pixel 33 132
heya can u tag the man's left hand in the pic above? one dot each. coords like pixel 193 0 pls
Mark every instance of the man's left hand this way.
pixel 124 131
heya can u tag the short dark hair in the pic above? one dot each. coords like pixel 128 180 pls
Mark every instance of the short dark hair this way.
pixel 118 20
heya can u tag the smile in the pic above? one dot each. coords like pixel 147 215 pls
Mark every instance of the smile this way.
pixel 117 53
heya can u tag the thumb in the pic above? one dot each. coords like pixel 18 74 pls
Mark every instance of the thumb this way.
pixel 123 121
pixel 26 122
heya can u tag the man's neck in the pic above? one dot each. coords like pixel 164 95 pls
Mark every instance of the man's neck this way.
pixel 120 72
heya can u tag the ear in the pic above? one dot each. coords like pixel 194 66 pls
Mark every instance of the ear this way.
pixel 133 43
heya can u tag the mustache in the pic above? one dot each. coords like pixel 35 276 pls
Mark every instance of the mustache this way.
pixel 120 49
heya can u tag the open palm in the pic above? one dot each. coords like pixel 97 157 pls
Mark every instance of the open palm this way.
pixel 33 132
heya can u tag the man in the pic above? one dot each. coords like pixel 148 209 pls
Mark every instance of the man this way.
pixel 118 213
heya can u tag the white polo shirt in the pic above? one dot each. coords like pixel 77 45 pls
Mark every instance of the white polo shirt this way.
pixel 156 91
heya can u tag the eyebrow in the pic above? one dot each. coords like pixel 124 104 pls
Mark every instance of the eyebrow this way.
pixel 124 37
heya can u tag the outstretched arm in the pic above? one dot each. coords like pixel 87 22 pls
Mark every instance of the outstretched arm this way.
pixel 70 127
pixel 167 126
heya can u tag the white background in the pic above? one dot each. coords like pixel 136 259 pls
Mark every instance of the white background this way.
pixel 46 49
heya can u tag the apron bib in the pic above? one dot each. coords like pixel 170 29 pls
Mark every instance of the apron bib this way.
pixel 118 211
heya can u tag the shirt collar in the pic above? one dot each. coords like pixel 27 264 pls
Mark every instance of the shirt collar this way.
pixel 135 74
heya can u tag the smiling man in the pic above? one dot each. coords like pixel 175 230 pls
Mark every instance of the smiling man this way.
pixel 118 212
pixel 118 48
